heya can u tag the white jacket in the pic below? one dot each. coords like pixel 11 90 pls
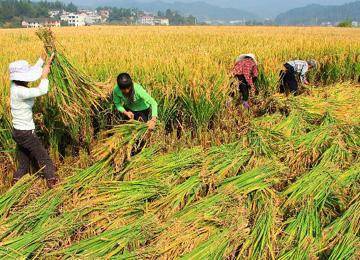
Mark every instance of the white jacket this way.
pixel 22 101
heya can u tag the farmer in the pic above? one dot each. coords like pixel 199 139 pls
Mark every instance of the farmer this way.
pixel 293 70
pixel 132 100
pixel 22 101
pixel 246 71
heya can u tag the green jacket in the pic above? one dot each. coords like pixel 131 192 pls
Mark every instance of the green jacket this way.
pixel 142 100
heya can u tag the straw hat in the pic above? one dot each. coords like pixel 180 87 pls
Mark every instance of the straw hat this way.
pixel 22 71
pixel 244 56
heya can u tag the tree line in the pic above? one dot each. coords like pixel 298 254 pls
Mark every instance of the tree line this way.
pixel 12 12
pixel 130 16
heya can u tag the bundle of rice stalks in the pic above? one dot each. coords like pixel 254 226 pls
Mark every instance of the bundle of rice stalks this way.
pixel 258 178
pixel 15 194
pixel 350 181
pixel 32 216
pixel 224 161
pixel 30 245
pixel 334 142
pixel 73 94
pixel 168 166
pixel 217 246
pixel 348 248
pixel 303 234
pixel 263 141
pixel 347 223
pixel 318 185
pixel 47 205
pixel 121 142
pixel 340 240
pixel 125 198
pixel 261 241
pixel 114 242
pixel 84 179
pixel 190 230
pixel 180 196
pixel 294 125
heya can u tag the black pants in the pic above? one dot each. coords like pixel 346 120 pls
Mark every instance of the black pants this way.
pixel 244 87
pixel 288 80
pixel 29 146
pixel 143 116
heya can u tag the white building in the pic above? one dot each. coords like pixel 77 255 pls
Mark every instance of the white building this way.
pixel 161 21
pixel 355 24
pixel 40 22
pixel 328 24
pixel 73 19
pixel 105 14
pixel 147 20
pixel 91 18
pixel 52 14
pixel 152 20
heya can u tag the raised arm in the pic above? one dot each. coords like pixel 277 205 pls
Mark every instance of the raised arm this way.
pixel 43 88
pixel 39 63
pixel 26 93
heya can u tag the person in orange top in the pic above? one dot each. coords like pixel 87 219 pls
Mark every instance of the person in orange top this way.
pixel 246 71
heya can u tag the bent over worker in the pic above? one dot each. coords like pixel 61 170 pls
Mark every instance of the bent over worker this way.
pixel 293 70
pixel 246 71
pixel 133 101
pixel 22 101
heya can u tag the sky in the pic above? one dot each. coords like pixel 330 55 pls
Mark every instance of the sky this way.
pixel 263 8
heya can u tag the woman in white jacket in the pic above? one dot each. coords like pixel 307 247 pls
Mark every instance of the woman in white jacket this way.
pixel 22 102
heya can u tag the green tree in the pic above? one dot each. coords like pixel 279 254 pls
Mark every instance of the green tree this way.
pixel 346 23
pixel 71 8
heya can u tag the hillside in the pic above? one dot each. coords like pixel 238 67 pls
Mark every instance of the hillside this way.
pixel 316 14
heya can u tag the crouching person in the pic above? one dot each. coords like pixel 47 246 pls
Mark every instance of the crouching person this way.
pixel 246 71
pixel 295 70
pixel 132 100
pixel 22 101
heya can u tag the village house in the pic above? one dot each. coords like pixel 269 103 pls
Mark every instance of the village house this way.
pixel 91 18
pixel 147 20
pixel 82 18
pixel 54 13
pixel 161 21
pixel 40 22
pixel 105 14
pixel 152 20
pixel 73 19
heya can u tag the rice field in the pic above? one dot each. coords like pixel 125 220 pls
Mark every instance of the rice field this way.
pixel 214 181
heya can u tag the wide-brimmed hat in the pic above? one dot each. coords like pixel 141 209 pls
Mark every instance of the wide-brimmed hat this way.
pixel 244 56
pixel 21 70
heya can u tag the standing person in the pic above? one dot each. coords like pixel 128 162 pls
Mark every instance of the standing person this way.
pixel 293 70
pixel 246 71
pixel 132 100
pixel 22 102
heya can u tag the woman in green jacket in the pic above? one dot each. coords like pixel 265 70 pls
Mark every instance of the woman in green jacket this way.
pixel 132 100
